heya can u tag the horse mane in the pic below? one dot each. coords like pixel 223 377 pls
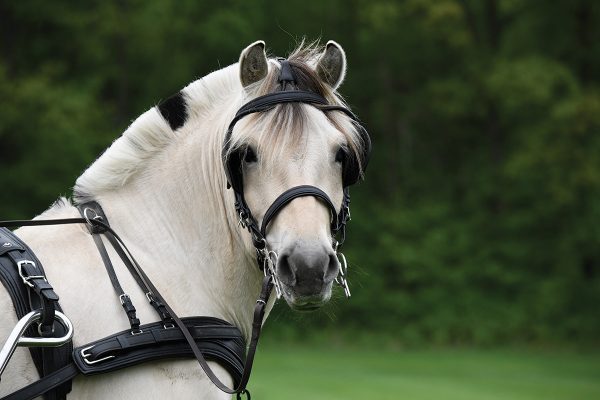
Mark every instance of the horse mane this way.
pixel 151 133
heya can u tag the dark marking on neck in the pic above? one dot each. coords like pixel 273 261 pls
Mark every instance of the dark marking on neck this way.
pixel 174 110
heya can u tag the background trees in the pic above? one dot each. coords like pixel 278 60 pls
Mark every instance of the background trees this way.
pixel 479 220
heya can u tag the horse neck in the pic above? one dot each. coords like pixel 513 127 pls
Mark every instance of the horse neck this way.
pixel 178 220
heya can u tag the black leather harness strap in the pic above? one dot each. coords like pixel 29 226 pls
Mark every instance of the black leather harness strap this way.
pixel 51 381
pixel 259 312
pixel 220 341
pixel 23 276
pixel 46 384
pixel 93 210
pixel 291 194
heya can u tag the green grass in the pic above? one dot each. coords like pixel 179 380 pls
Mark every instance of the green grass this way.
pixel 305 372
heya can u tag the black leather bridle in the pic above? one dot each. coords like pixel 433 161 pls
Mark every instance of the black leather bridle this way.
pixel 352 169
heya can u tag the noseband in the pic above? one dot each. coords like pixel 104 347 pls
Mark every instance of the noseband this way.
pixel 232 164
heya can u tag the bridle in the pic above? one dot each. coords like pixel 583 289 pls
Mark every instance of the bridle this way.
pixel 351 172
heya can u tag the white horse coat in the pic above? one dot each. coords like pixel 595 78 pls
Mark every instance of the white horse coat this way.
pixel 164 192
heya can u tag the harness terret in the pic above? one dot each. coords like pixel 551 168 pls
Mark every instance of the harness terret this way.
pixel 171 336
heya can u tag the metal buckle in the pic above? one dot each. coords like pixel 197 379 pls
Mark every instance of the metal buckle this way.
pixel 150 297
pixel 27 278
pixel 343 272
pixel 85 356
pixel 123 297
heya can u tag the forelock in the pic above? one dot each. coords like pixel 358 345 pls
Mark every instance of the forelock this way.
pixel 284 126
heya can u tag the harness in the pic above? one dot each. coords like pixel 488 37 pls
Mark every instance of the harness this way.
pixel 169 338
pixel 172 337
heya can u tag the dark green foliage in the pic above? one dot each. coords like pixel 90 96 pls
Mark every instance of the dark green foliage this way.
pixel 479 221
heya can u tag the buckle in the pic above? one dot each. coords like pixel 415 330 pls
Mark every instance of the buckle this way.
pixel 27 278
pixel 123 298
pixel 85 356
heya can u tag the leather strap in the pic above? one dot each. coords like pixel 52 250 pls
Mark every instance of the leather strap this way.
pixel 45 384
pixel 219 341
pixel 291 194
pixel 268 101
pixel 29 290
pixel 257 321
pixel 92 208
pixel 259 309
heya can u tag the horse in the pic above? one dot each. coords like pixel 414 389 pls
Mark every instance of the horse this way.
pixel 164 189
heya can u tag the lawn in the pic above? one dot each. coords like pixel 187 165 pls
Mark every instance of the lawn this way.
pixel 305 372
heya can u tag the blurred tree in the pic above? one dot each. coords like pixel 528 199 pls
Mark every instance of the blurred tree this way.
pixel 478 221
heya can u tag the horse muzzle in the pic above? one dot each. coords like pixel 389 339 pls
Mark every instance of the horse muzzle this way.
pixel 306 272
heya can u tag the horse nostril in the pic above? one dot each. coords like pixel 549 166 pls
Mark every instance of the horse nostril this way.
pixel 332 268
pixel 285 271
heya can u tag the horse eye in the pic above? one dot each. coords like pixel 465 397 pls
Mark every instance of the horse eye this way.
pixel 250 155
pixel 340 155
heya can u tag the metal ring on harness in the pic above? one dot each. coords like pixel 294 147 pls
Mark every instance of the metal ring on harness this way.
pixel 16 337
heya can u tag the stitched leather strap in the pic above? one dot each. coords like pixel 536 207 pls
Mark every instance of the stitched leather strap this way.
pixel 90 209
pixel 259 312
pixel 45 384
pixel 259 309
pixel 29 290
pixel 291 194
pixel 219 341
pixel 268 101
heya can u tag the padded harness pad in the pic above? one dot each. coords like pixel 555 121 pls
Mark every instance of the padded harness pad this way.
pixel 217 339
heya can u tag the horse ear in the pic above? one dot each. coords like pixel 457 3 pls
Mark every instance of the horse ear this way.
pixel 253 63
pixel 331 66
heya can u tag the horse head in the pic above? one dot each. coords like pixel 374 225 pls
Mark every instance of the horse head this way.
pixel 290 154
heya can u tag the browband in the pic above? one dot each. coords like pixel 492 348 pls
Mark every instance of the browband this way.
pixel 268 101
